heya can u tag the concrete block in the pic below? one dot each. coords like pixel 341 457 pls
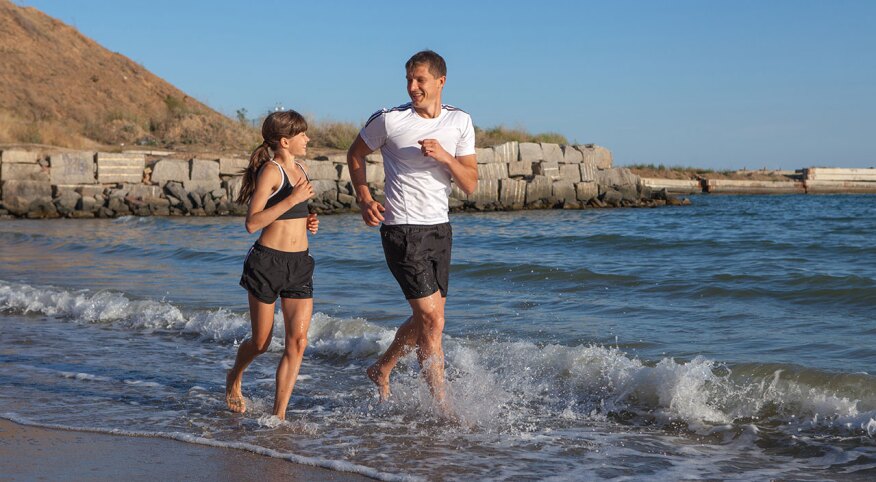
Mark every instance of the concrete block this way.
pixel 322 170
pixel 538 188
pixel 202 187
pixel 204 170
pixel 374 173
pixel 232 166
pixel 507 152
pixel 530 152
pixel 325 190
pixel 550 169
pixel 598 155
pixel 840 187
pixel 487 191
pixel 519 168
pixel 18 195
pixel 552 152
pixel 729 186
pixel 840 174
pixel 588 170
pixel 344 172
pixel 492 171
pixel 374 158
pixel 142 191
pixel 485 155
pixel 72 168
pixel 673 186
pixel 586 191
pixel 233 187
pixel 89 190
pixel 563 191
pixel 19 156
pixel 512 192
pixel 170 170
pixel 571 155
pixel 115 167
pixel 570 172
pixel 616 177
pixel 23 172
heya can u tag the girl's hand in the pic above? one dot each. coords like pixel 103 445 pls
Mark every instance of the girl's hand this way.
pixel 301 191
pixel 312 223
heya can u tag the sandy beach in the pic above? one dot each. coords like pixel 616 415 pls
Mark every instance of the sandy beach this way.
pixel 29 453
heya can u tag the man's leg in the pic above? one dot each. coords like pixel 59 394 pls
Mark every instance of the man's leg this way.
pixel 422 329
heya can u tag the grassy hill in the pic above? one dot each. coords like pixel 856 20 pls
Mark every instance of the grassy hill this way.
pixel 62 88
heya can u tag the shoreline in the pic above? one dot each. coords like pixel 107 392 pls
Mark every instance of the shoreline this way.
pixel 32 451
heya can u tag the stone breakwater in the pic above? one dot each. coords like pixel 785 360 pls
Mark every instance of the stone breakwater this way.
pixel 87 184
pixel 813 180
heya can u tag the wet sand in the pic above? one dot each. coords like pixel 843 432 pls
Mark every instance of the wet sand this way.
pixel 29 453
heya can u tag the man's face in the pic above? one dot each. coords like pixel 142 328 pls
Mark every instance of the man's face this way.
pixel 423 87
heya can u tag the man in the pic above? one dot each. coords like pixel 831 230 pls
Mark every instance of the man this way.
pixel 425 144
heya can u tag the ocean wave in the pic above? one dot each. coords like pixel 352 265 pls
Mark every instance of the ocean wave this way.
pixel 519 385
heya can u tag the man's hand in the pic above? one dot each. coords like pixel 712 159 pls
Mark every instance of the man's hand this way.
pixel 432 148
pixel 371 212
pixel 312 223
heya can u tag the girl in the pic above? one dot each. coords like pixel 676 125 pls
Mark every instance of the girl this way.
pixel 278 264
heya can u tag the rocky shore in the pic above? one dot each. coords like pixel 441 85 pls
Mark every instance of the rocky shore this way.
pixel 512 176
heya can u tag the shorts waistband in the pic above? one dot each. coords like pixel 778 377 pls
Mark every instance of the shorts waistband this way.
pixel 276 252
pixel 415 227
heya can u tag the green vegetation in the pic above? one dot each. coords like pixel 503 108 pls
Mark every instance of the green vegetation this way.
pixel 686 169
pixel 331 134
pixel 501 134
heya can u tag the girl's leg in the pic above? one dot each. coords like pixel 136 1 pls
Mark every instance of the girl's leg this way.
pixel 262 319
pixel 296 316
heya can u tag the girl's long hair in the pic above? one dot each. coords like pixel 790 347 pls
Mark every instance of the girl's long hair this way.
pixel 276 126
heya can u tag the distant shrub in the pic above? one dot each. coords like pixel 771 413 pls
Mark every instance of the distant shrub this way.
pixel 501 134
pixel 331 134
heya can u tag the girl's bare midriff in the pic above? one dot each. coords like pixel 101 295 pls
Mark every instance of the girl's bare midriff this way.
pixel 285 235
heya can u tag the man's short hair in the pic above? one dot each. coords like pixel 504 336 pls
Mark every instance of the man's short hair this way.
pixel 437 66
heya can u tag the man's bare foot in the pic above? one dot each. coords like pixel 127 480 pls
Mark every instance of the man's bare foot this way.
pixel 380 379
pixel 233 396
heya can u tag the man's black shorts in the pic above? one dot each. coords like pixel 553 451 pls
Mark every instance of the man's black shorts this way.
pixel 418 257
pixel 268 273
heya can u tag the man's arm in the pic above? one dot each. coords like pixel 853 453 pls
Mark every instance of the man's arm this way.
pixel 370 208
pixel 463 169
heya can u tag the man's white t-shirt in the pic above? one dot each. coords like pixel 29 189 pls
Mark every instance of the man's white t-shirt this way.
pixel 417 187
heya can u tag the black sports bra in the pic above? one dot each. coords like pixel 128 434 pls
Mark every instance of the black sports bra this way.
pixel 295 212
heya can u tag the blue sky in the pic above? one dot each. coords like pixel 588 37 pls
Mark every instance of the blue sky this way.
pixel 718 84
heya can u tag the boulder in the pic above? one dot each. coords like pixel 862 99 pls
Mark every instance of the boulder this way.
pixel 599 156
pixel 612 197
pixel 66 201
pixel 41 208
pixel 142 191
pixel 325 190
pixel 72 168
pixel 374 173
pixel 202 187
pixel 233 186
pixel 87 203
pixel 18 195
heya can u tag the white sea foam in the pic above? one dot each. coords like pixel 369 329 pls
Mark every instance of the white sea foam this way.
pixel 495 384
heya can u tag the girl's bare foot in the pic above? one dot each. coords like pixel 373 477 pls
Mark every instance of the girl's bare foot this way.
pixel 380 379
pixel 233 395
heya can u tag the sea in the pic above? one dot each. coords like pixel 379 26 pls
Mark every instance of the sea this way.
pixel 731 339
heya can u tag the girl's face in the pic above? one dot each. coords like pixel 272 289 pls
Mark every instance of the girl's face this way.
pixel 296 145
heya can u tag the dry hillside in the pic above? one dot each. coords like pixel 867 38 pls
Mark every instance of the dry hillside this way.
pixel 62 88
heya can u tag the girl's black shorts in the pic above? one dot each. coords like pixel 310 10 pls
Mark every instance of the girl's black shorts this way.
pixel 269 273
